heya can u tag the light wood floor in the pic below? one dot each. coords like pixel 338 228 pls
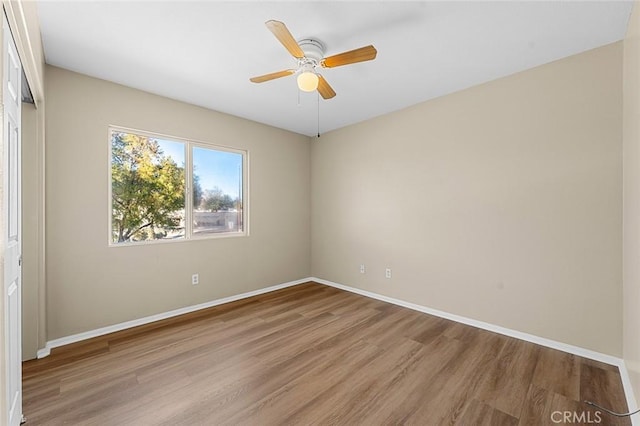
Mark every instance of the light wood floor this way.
pixel 312 354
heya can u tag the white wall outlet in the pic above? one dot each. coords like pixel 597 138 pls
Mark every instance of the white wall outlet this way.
pixel 362 269
pixel 387 273
pixel 195 279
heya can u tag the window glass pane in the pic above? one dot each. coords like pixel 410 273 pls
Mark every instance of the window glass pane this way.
pixel 147 188
pixel 217 191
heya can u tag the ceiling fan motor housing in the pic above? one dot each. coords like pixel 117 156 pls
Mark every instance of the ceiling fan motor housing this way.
pixel 313 50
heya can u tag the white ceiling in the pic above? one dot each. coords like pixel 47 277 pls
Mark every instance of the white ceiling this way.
pixel 205 52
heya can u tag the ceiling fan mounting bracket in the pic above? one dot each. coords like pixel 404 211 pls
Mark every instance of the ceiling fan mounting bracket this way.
pixel 313 49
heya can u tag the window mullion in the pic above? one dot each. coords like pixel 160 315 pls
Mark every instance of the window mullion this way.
pixel 188 199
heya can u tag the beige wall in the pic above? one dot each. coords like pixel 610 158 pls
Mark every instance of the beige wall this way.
pixel 631 184
pixel 30 230
pixel 90 284
pixel 500 203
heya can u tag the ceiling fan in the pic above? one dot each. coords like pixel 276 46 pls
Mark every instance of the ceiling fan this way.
pixel 310 56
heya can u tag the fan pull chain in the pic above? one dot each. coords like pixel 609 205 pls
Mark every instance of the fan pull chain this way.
pixel 318 93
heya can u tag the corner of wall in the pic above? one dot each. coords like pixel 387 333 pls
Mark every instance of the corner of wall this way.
pixel 631 197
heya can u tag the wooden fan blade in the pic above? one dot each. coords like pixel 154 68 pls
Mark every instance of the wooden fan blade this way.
pixel 281 32
pixel 324 89
pixel 272 76
pixel 362 54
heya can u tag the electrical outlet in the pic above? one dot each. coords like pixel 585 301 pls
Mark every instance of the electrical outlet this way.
pixel 387 273
pixel 362 269
pixel 195 279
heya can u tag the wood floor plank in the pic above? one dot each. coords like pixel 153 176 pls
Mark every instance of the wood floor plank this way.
pixel 462 380
pixel 352 402
pixel 479 414
pixel 538 407
pixel 275 406
pixel 507 384
pixel 311 354
pixel 559 372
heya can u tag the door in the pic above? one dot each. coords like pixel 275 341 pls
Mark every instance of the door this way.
pixel 11 100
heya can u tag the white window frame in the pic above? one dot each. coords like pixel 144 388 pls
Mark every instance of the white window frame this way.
pixel 188 208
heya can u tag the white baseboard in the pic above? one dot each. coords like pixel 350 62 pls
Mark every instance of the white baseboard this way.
pixel 542 341
pixel 607 359
pixel 46 351
pixel 576 350
pixel 628 392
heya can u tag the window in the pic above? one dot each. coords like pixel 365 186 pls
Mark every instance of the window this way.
pixel 167 189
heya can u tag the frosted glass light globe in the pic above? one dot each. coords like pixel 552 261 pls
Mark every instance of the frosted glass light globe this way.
pixel 308 81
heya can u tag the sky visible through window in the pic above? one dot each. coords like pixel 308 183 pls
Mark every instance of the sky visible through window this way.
pixel 215 168
pixel 173 149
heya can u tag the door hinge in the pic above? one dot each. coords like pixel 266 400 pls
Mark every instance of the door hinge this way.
pixel 20 261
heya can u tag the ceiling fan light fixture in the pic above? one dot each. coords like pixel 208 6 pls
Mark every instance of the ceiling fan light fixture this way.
pixel 309 53
pixel 308 81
